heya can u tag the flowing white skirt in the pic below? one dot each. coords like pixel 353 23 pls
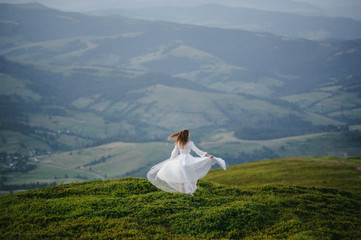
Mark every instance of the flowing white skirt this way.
pixel 181 173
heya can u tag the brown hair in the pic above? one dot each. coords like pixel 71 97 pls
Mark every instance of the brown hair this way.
pixel 181 137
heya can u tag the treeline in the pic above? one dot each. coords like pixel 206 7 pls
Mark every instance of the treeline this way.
pixel 53 87
pixel 40 133
pixel 354 135
pixel 63 89
pixel 243 157
pixel 14 108
pixel 15 162
pixel 100 160
pixel 291 125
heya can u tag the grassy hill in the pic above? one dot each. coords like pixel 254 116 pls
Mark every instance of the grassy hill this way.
pixel 331 172
pixel 131 208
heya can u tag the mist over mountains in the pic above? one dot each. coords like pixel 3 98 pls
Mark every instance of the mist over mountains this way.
pixel 327 8
pixel 75 84
pixel 278 23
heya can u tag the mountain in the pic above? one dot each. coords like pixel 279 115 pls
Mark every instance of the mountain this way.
pixel 75 87
pixel 91 5
pixel 205 55
pixel 327 8
pixel 348 9
pixel 128 78
pixel 130 208
pixel 275 22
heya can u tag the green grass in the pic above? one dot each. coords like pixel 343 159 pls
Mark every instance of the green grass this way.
pixel 131 208
pixel 331 172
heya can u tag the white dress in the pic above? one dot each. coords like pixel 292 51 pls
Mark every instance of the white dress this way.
pixel 181 172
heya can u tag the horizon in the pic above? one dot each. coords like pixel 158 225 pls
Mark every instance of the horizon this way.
pixel 327 8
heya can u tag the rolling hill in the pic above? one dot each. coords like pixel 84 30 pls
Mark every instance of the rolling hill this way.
pixel 131 208
pixel 204 55
pixel 331 172
pixel 80 109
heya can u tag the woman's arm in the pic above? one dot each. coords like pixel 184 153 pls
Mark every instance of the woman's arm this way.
pixel 174 152
pixel 200 152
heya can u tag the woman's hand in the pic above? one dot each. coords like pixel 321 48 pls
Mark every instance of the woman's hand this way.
pixel 208 155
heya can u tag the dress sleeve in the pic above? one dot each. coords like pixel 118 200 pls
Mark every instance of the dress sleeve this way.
pixel 199 152
pixel 174 152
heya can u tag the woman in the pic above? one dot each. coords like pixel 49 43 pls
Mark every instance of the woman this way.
pixel 181 171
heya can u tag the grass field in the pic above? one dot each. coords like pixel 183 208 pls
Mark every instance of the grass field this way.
pixel 132 208
pixel 331 172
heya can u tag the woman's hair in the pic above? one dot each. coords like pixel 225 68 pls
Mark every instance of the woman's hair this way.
pixel 181 137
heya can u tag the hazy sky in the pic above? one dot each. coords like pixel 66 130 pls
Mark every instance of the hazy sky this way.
pixel 91 4
pixel 345 8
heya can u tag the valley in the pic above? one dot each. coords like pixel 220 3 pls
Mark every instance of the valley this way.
pixel 89 92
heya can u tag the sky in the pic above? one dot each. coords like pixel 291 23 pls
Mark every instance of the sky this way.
pixel 91 4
